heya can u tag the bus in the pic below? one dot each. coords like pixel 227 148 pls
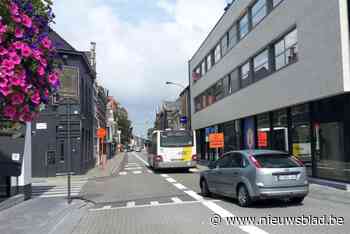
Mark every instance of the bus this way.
pixel 172 149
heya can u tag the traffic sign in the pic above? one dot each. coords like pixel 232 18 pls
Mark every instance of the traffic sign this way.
pixel 216 140
pixel 183 119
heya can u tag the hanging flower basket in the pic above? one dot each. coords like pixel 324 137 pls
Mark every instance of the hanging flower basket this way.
pixel 28 71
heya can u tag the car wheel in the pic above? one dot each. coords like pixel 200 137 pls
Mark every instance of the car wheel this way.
pixel 243 196
pixel 204 188
pixel 297 200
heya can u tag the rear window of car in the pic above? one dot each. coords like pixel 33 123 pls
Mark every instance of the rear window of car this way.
pixel 276 161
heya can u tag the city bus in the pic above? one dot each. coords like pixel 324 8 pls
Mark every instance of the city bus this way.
pixel 172 149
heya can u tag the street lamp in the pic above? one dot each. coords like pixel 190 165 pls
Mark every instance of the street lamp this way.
pixel 173 83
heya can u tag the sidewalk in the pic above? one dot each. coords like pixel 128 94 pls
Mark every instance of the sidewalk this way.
pixel 112 167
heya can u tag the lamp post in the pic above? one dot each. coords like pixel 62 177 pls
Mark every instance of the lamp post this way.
pixel 173 83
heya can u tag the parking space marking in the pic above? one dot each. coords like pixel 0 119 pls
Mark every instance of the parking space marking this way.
pixel 164 175
pixel 180 186
pixel 171 180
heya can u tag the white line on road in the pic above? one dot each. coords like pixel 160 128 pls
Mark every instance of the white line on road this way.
pixel 176 199
pixel 194 195
pixel 171 180
pixel 132 168
pixel 123 173
pixel 180 186
pixel 106 207
pixel 141 159
pixel 130 204
pixel 137 172
pixel 164 175
pixel 149 171
pixel 154 203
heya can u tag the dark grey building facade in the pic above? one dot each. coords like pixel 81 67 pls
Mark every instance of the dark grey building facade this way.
pixel 52 153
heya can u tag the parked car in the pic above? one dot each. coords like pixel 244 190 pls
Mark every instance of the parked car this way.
pixel 250 175
pixel 138 148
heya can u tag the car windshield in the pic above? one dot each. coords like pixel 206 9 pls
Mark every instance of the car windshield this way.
pixel 276 161
pixel 176 139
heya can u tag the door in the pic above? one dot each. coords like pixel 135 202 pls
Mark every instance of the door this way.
pixel 231 174
pixel 51 163
pixel 223 165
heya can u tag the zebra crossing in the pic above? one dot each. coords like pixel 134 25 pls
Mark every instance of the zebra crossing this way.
pixel 132 168
pixel 54 188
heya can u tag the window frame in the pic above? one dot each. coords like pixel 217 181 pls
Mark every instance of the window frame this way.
pixel 258 11
pixel 247 24
pixel 285 50
pixel 267 62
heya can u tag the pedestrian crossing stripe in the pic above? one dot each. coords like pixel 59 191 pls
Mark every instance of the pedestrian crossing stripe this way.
pixel 59 189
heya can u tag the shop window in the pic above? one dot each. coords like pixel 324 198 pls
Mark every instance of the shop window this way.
pixel 286 50
pixel 280 130
pixel 217 53
pixel 261 65
pixel 232 36
pixel 243 26
pixel 264 131
pixel 245 74
pixel 259 11
pixel 224 44
pixel 232 134
pixel 301 137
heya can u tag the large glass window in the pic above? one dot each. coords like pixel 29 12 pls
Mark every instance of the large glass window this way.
pixel 217 53
pixel 232 35
pixel 209 61
pixel 261 64
pixel 280 130
pixel 232 134
pixel 245 74
pixel 235 81
pixel 224 44
pixel 286 50
pixel 259 11
pixel 243 26
pixel 218 91
pixel 301 139
pixel 264 133
pixel 198 103
pixel 203 68
pixel 226 82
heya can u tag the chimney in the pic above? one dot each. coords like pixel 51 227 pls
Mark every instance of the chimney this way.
pixel 93 55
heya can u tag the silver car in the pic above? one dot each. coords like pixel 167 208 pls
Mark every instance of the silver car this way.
pixel 250 175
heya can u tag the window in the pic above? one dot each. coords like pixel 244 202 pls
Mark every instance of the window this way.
pixel 218 91
pixel 232 36
pixel 261 64
pixel 286 50
pixel 198 102
pixel 226 82
pixel 196 75
pixel 280 130
pixel 203 68
pixel 236 160
pixel 245 74
pixel 235 82
pixel 225 162
pixel 209 61
pixel 259 11
pixel 243 26
pixel 61 151
pixel 264 133
pixel 276 2
pixel 224 44
pixel 276 161
pixel 217 53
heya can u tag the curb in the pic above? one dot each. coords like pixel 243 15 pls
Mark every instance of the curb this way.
pixel 329 183
pixel 12 201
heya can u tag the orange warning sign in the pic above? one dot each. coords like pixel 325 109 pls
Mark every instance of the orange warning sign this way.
pixel 216 140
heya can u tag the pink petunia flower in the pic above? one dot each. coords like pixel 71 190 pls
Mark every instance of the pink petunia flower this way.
pixel 3 51
pixel 41 71
pixel 26 51
pixel 36 98
pixel 5 90
pixel 16 59
pixel 53 78
pixel 36 54
pixel 18 45
pixel 17 98
pixel 10 112
pixel 16 18
pixel 8 64
pixel 13 9
pixel 3 28
pixel 43 62
pixel 3 82
pixel 46 42
pixel 26 21
pixel 19 33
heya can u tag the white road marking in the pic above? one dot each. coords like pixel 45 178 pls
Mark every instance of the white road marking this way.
pixel 149 171
pixel 141 159
pixel 106 207
pixel 137 172
pixel 123 173
pixel 154 203
pixel 194 195
pixel 217 209
pixel 180 186
pixel 171 180
pixel 130 204
pixel 251 229
pixel 148 205
pixel 176 199
pixel 164 175
pixel 132 168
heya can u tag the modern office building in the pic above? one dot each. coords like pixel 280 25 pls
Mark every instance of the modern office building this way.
pixel 277 72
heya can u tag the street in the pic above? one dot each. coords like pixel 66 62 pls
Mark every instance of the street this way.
pixel 141 201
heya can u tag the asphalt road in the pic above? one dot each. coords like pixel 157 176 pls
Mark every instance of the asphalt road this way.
pixel 139 201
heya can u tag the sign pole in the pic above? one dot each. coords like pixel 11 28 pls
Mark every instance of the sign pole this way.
pixel 69 156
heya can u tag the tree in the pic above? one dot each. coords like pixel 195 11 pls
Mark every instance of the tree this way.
pixel 124 125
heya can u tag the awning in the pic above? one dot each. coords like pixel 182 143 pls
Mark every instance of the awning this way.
pixel 8 167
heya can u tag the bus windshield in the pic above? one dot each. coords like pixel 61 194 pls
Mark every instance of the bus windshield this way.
pixel 176 139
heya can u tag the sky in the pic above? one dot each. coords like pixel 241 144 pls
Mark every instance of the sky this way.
pixel 141 44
